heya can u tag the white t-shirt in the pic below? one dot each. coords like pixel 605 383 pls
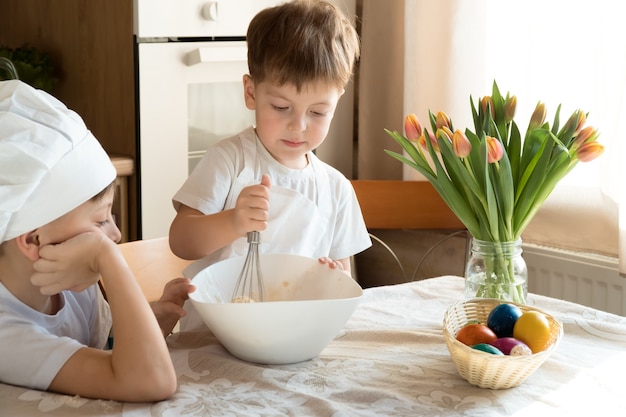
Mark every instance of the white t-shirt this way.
pixel 238 161
pixel 34 346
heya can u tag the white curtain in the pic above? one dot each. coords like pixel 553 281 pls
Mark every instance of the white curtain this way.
pixel 568 52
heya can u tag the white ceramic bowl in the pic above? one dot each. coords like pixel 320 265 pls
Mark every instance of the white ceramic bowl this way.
pixel 306 306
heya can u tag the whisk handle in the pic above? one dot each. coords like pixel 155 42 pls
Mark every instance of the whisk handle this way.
pixel 254 237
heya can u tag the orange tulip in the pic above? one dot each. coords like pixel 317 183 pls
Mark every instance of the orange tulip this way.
pixel 460 144
pixel 495 150
pixel 412 127
pixel 589 151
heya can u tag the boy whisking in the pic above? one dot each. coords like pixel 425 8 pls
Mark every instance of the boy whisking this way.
pixel 57 238
pixel 301 55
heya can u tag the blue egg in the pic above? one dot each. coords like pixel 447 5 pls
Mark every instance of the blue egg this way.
pixel 502 319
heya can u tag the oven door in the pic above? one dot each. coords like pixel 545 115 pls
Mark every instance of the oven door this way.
pixel 190 96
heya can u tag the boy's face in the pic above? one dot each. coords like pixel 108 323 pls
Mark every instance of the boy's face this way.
pixel 93 215
pixel 291 123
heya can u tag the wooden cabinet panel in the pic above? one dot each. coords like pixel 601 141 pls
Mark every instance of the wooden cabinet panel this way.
pixel 91 43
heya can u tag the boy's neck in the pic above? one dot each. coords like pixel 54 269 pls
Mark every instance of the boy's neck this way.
pixel 32 297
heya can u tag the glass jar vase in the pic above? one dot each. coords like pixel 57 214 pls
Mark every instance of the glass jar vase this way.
pixel 496 270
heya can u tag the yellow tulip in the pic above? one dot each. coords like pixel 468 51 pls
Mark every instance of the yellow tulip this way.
pixel 412 128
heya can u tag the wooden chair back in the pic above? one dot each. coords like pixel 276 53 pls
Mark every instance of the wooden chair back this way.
pixel 397 204
pixel 153 264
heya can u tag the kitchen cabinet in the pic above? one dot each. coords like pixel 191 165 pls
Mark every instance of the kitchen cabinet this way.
pixel 91 44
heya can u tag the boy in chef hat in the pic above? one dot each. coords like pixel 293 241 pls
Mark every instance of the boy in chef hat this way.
pixel 301 55
pixel 57 237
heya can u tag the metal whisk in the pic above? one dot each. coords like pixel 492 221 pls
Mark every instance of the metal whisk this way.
pixel 249 287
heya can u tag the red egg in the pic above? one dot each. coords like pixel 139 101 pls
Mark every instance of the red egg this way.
pixel 473 334
pixel 511 346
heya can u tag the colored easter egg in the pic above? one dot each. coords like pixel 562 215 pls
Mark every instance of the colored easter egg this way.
pixel 487 348
pixel 473 334
pixel 502 319
pixel 511 346
pixel 533 328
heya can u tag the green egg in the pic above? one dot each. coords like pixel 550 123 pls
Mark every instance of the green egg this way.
pixel 487 348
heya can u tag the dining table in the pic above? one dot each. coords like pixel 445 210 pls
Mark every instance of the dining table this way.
pixel 390 359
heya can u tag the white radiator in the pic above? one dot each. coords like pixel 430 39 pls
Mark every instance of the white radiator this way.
pixel 583 278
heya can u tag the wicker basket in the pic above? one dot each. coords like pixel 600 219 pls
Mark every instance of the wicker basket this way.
pixel 484 369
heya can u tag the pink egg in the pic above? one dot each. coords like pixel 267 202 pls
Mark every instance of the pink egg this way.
pixel 511 346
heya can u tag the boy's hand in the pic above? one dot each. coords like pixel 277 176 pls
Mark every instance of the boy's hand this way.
pixel 342 265
pixel 332 264
pixel 252 207
pixel 169 309
pixel 71 265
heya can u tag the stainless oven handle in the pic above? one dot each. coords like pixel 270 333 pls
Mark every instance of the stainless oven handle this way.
pixel 217 53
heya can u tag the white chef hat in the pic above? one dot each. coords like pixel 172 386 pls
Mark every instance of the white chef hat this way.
pixel 49 162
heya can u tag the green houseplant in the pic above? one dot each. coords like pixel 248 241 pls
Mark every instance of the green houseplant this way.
pixel 31 66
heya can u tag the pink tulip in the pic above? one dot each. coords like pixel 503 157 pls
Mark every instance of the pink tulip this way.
pixel 412 128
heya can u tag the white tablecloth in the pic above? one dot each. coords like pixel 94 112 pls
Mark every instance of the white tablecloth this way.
pixel 390 361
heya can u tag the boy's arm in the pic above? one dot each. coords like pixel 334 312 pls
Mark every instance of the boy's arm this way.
pixel 194 235
pixel 139 367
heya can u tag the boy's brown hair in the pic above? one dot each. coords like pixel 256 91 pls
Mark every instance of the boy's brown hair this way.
pixel 302 41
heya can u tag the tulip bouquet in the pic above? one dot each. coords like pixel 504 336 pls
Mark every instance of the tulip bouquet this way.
pixel 492 178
